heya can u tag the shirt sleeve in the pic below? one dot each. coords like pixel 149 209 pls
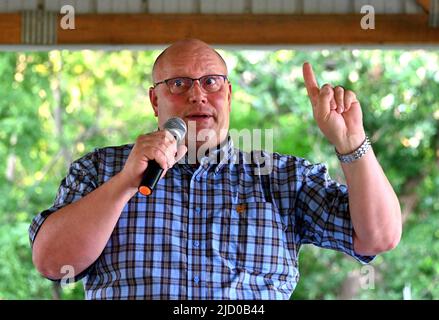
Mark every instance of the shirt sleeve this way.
pixel 322 212
pixel 81 179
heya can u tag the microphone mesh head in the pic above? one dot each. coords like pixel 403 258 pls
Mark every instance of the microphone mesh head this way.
pixel 176 127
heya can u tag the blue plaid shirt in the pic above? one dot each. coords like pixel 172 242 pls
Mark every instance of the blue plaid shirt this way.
pixel 219 230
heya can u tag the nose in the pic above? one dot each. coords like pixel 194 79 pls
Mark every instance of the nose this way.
pixel 196 93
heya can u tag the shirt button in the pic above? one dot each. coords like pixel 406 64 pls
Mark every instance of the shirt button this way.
pixel 196 279
pixel 196 244
pixel 197 210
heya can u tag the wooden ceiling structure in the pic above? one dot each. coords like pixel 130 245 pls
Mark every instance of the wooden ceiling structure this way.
pixel 220 22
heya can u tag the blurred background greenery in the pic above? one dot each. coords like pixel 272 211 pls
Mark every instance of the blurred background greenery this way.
pixel 56 106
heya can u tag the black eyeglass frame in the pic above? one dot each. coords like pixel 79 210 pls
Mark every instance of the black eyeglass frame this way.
pixel 192 79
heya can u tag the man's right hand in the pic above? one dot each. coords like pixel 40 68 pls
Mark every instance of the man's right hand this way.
pixel 160 146
pixel 91 220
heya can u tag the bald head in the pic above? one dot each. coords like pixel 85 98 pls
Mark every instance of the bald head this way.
pixel 178 51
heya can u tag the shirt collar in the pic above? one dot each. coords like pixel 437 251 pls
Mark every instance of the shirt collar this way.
pixel 216 158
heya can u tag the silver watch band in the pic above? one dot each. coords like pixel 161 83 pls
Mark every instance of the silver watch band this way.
pixel 356 154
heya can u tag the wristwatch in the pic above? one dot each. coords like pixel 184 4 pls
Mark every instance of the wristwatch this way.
pixel 356 154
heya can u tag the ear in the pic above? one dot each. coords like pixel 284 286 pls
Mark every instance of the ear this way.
pixel 153 99
pixel 229 97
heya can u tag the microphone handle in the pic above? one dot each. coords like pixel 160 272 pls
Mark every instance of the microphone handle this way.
pixel 150 178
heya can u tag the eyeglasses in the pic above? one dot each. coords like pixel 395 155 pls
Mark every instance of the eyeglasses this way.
pixel 210 83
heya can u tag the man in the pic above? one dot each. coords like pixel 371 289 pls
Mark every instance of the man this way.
pixel 213 230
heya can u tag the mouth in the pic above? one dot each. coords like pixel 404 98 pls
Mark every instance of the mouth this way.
pixel 199 116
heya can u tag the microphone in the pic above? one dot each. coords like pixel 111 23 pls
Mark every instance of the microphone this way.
pixel 153 172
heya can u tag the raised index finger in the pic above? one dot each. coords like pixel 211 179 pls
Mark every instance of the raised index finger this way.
pixel 311 83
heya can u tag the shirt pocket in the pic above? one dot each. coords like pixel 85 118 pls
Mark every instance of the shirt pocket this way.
pixel 252 237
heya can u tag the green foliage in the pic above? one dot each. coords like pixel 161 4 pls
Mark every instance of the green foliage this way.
pixel 19 279
pixel 58 105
